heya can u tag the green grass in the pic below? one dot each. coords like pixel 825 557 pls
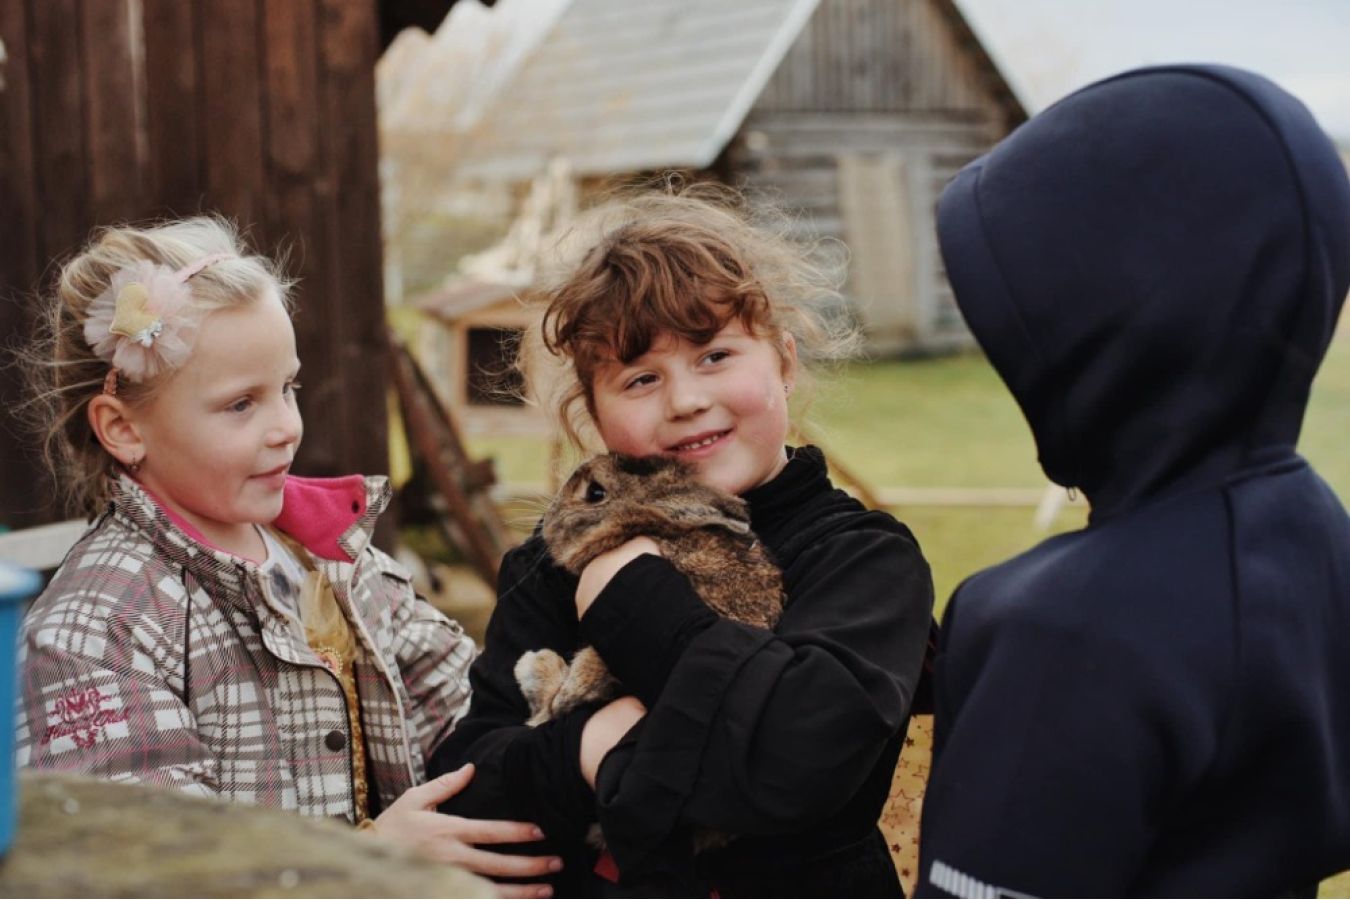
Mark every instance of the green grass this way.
pixel 941 422
pixel 1328 419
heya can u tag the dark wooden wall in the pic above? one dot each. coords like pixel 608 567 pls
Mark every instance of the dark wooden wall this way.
pixel 263 110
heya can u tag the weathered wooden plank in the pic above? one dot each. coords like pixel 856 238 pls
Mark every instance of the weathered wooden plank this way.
pixel 290 65
pixel 232 98
pixel 174 107
pixel 296 168
pixel 348 47
pixel 61 170
pixel 22 485
pixel 41 547
pixel 462 483
pixel 301 207
pixel 114 110
pixel 802 144
pixel 19 263
pixel 903 121
pixel 879 224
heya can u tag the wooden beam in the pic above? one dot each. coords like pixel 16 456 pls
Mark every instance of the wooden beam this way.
pixel 348 49
pixel 114 112
pixel 462 483
pixel 61 167
pixel 232 99
pixel 23 485
pixel 42 547
pixel 173 107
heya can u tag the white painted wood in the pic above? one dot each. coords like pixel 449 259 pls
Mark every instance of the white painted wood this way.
pixel 41 547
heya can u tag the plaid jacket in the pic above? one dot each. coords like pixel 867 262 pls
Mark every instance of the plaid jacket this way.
pixel 153 657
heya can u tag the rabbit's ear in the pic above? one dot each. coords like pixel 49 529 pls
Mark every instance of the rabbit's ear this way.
pixel 706 508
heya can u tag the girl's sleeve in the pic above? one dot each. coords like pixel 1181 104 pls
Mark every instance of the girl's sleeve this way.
pixel 522 773
pixel 751 731
pixel 433 655
pixel 103 697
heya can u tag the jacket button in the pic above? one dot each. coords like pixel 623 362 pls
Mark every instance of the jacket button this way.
pixel 335 741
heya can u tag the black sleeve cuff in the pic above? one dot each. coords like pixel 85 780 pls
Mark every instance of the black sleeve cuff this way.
pixel 542 769
pixel 642 622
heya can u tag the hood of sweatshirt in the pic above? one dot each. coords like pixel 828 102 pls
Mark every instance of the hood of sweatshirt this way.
pixel 1155 266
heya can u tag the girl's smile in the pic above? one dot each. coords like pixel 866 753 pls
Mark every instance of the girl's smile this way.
pixel 693 446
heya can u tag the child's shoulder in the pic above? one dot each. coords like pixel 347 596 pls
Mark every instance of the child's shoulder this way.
pixel 112 568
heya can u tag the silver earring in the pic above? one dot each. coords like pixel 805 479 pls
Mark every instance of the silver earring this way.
pixel 135 467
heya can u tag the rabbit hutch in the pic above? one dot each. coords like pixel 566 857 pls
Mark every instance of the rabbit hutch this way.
pixel 470 357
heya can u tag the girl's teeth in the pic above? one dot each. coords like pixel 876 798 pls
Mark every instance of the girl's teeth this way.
pixel 703 443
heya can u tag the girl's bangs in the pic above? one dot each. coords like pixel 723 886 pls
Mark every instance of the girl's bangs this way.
pixel 626 330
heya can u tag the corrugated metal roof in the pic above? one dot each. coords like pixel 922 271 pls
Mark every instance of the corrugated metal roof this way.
pixel 622 85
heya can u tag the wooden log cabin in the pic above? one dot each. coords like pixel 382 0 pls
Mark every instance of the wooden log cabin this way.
pixel 852 112
pixel 874 108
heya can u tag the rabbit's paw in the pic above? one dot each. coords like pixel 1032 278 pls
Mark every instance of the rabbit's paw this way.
pixel 587 681
pixel 540 674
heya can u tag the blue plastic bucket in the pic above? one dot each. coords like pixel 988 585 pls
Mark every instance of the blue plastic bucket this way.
pixel 16 587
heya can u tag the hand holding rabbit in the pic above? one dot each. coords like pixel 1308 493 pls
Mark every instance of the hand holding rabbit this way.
pixel 607 503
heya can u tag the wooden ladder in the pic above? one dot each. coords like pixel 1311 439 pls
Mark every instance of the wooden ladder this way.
pixel 472 524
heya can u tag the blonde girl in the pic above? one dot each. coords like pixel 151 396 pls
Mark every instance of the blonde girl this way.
pixel 225 627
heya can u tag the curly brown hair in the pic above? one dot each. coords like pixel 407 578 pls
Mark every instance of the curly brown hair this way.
pixel 61 369
pixel 683 261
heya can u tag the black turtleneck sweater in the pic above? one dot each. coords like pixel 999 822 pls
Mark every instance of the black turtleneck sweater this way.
pixel 785 738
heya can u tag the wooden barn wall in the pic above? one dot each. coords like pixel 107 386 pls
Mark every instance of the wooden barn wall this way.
pixel 262 110
pixel 795 159
pixel 874 108
pixel 879 56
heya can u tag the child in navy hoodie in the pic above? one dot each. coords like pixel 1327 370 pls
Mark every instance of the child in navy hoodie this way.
pixel 1159 703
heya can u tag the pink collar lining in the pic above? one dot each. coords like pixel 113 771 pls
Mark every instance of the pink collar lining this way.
pixel 317 512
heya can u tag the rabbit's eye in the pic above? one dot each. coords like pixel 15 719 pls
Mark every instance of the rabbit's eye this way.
pixel 595 492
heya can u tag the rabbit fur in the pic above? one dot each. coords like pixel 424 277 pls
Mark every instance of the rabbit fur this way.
pixel 703 532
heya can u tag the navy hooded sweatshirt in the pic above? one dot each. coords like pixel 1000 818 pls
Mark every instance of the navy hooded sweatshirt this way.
pixel 1160 703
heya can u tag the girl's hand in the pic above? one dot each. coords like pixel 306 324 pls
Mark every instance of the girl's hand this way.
pixel 412 821
pixel 605 729
pixel 600 570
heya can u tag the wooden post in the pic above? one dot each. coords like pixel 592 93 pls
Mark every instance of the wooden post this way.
pixel 173 107
pixel 25 492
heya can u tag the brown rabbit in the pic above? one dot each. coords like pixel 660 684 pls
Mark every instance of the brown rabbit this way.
pixel 704 532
